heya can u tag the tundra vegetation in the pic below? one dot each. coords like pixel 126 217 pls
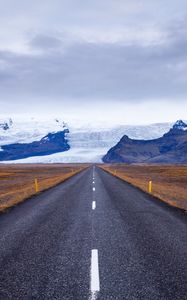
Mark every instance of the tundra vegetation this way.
pixel 169 182
pixel 17 182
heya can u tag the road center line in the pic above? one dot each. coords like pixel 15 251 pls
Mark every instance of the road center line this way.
pixel 94 189
pixel 93 205
pixel 94 275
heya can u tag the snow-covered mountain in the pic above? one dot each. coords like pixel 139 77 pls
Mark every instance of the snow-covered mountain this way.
pixel 180 125
pixel 171 148
pixel 16 130
pixel 88 142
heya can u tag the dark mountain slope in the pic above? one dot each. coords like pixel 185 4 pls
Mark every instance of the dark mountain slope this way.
pixel 171 148
pixel 51 143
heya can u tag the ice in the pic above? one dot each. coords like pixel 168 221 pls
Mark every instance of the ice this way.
pixel 88 142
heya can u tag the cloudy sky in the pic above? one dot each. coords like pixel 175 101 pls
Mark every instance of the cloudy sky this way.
pixel 114 60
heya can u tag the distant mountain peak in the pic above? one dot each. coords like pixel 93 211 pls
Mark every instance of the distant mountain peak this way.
pixel 170 148
pixel 5 125
pixel 180 125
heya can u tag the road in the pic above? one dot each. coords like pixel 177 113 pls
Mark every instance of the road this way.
pixel 93 237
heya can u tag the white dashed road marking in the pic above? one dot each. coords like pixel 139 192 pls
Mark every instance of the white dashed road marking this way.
pixel 94 270
pixel 94 275
pixel 93 205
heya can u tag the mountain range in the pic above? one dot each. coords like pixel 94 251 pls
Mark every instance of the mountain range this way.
pixel 54 141
pixel 51 143
pixel 170 148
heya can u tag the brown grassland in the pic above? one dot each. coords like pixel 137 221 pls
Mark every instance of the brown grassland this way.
pixel 17 182
pixel 169 182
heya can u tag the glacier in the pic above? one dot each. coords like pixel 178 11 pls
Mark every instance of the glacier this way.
pixel 88 142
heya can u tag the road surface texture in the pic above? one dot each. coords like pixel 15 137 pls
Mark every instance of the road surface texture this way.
pixel 93 237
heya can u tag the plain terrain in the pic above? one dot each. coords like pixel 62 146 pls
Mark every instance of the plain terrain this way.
pixel 169 182
pixel 17 182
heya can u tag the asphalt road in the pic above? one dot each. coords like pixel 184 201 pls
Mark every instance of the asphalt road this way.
pixel 93 237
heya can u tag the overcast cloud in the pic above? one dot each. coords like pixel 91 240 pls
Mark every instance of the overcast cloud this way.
pixel 110 54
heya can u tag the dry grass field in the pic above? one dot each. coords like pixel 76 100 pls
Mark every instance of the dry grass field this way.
pixel 169 183
pixel 17 182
